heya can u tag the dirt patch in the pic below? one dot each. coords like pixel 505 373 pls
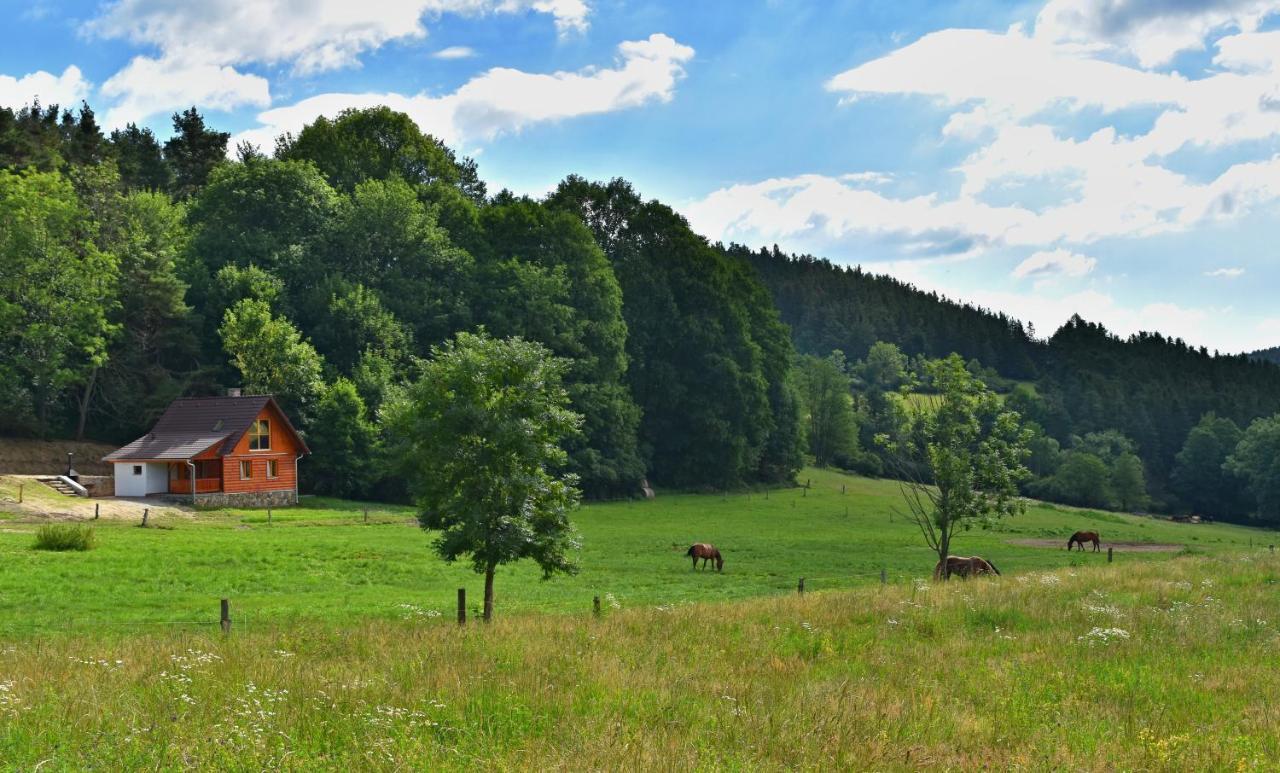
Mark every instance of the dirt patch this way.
pixel 1119 547
pixel 41 503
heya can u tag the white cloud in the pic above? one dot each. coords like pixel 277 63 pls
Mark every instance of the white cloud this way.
pixel 1106 201
pixel 1225 273
pixel 455 52
pixel 310 35
pixel 148 86
pixel 1010 74
pixel 504 100
pixel 1031 180
pixel 66 89
pixel 1054 263
pixel 201 44
pixel 1154 31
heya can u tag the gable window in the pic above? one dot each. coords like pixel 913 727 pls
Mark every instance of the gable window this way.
pixel 137 469
pixel 260 436
pixel 246 470
pixel 273 468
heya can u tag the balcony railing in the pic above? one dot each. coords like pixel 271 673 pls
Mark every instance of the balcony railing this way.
pixel 203 485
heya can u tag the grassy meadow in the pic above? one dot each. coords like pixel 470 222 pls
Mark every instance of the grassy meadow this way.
pixel 1158 666
pixel 321 562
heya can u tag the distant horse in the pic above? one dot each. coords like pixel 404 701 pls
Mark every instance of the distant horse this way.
pixel 706 553
pixel 1081 537
pixel 964 567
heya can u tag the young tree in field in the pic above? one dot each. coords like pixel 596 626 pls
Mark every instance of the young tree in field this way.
pixel 481 437
pixel 1257 460
pixel 964 459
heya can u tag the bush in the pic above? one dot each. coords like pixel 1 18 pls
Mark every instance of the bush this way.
pixel 64 536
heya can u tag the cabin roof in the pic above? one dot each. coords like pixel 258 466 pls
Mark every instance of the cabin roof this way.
pixel 192 425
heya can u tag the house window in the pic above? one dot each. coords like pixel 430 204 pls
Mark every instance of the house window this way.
pixel 260 436
pixel 246 470
pixel 273 468
pixel 137 469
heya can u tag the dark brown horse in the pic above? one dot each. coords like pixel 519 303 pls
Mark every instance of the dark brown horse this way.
pixel 706 553
pixel 964 567
pixel 1081 537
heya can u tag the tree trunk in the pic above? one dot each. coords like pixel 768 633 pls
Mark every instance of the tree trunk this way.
pixel 84 404
pixel 944 550
pixel 488 593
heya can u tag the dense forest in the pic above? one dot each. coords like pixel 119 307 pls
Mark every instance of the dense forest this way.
pixel 138 269
pixel 1270 355
pixel 1086 391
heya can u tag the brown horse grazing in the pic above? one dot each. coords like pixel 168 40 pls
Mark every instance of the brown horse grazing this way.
pixel 706 553
pixel 964 567
pixel 1081 537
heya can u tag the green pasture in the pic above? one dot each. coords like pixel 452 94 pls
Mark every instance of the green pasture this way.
pixel 322 562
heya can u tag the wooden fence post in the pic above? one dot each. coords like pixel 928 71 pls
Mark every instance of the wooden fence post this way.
pixel 96 505
pixel 462 606
pixel 225 618
pixel 841 488
pixel 595 606
pixel 20 493
pixel 268 515
pixel 1108 555
pixel 800 587
pixel 366 515
pixel 883 576
pixel 145 512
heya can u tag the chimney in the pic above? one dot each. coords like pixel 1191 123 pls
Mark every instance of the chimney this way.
pixel 233 392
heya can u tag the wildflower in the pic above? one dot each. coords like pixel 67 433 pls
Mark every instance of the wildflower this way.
pixel 1104 636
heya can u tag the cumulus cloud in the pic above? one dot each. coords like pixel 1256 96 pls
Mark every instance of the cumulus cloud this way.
pixel 1017 98
pixel 148 86
pixel 504 100
pixel 1154 31
pixel 66 89
pixel 1054 263
pixel 206 45
pixel 309 35
pixel 454 52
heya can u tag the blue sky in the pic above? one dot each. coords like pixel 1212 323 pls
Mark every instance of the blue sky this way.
pixel 1120 160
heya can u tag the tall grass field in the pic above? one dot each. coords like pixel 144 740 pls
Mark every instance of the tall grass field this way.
pixel 1159 666
pixel 344 653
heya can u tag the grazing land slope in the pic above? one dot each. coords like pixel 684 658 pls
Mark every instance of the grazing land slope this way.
pixel 322 563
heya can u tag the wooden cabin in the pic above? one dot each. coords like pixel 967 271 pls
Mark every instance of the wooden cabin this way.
pixel 216 451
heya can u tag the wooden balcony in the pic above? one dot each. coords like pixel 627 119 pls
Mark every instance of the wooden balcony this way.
pixel 203 485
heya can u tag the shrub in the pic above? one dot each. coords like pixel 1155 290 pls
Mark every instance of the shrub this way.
pixel 64 536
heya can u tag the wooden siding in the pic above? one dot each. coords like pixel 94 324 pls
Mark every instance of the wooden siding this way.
pixel 283 450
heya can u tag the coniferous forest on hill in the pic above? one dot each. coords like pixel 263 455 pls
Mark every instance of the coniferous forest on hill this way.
pixel 138 269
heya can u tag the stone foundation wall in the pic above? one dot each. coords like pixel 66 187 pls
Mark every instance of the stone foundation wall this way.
pixel 247 499
pixel 98 485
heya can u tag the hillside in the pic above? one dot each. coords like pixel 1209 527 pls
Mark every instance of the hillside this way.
pixel 1270 355
pixel 1151 388
pixel 1160 667
pixel 321 562
pixel 23 456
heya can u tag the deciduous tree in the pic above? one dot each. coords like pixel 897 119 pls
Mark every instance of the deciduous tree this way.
pixel 480 436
